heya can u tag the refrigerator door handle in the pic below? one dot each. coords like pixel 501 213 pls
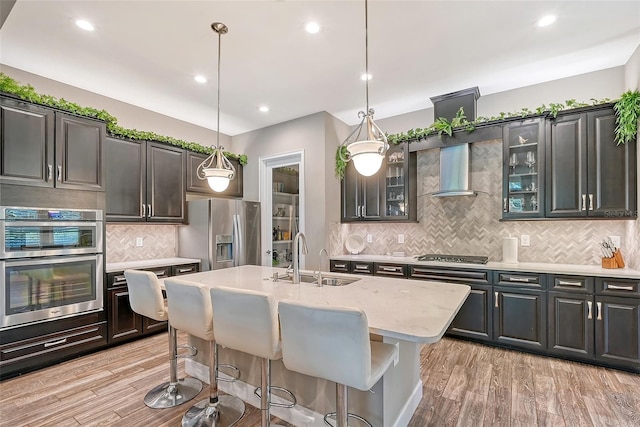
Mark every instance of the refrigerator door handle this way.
pixel 237 240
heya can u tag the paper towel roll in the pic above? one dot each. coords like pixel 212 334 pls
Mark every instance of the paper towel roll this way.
pixel 510 249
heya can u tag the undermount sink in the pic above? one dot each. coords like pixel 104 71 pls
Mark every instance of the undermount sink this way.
pixel 327 280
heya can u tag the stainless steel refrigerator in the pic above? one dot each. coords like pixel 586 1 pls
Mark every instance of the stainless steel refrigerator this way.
pixel 222 233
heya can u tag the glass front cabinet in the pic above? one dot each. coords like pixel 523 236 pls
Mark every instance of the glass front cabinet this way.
pixel 523 175
pixel 399 184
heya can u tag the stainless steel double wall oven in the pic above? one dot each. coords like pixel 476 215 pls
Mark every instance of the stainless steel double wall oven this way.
pixel 51 264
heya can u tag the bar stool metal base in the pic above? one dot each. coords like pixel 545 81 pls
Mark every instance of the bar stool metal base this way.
pixel 168 395
pixel 226 412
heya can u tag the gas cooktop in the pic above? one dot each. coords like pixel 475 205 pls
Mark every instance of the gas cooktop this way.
pixel 470 259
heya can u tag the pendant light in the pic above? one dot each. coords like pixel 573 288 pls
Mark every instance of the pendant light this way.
pixel 216 168
pixel 366 147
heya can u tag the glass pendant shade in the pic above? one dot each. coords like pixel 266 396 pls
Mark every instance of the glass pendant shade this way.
pixel 218 183
pixel 366 156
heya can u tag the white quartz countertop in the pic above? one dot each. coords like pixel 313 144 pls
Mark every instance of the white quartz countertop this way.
pixel 533 267
pixel 409 310
pixel 147 263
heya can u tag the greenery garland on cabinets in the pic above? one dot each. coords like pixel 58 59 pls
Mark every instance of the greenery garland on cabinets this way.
pixel 627 114
pixel 28 93
pixel 627 110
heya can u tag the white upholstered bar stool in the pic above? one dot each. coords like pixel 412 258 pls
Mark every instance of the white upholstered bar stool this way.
pixel 190 311
pixel 333 343
pixel 247 321
pixel 145 297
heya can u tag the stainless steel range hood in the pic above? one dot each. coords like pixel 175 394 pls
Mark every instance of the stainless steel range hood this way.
pixel 455 168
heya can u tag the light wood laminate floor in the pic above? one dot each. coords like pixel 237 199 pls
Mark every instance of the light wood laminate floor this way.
pixel 464 384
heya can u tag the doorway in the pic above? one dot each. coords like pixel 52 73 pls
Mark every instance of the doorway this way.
pixel 282 200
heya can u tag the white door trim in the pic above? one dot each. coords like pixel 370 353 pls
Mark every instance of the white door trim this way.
pixel 266 164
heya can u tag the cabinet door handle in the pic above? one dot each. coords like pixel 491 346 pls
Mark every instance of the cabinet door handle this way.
pixel 569 283
pixel 358 211
pixel 51 344
pixel 589 305
pixel 496 296
pixel 504 205
pixel 599 310
pixel 150 210
pixel 363 211
pixel 620 288
pixel 59 173
pixel 49 172
pixel 584 202
pixel 590 202
pixel 144 210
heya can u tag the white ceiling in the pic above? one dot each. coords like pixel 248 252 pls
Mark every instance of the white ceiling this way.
pixel 146 53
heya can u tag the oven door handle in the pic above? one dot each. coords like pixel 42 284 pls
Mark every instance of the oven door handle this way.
pixel 18 262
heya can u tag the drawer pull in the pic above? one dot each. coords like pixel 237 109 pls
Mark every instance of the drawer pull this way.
pixel 362 267
pixel 160 273
pixel 599 310
pixel 392 269
pixel 185 270
pixel 51 344
pixel 340 265
pixel 620 288
pixel 496 295
pixel 518 279
pixel 118 279
pixel 589 305
pixel 569 283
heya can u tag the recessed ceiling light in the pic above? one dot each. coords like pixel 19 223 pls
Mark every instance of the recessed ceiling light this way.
pixel 263 108
pixel 365 77
pixel 200 79
pixel 312 27
pixel 85 25
pixel 546 20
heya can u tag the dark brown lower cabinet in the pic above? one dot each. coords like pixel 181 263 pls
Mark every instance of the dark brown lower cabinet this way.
pixel 519 318
pixel 35 346
pixel 618 331
pixel 571 324
pixel 124 323
pixel 475 318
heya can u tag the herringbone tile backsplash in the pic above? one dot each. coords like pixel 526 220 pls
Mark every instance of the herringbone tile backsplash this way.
pixel 159 241
pixel 472 226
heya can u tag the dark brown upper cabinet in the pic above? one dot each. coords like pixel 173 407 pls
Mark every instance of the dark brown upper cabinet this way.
pixel 145 182
pixel 388 195
pixel 43 147
pixel 200 186
pixel 588 175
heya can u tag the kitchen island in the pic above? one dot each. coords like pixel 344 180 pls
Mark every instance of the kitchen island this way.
pixel 402 312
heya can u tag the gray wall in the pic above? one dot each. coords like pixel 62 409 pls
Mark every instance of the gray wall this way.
pixel 609 83
pixel 317 135
pixel 632 71
pixel 129 116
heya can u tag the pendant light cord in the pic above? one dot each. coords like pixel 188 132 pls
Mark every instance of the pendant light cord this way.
pixel 218 123
pixel 366 54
